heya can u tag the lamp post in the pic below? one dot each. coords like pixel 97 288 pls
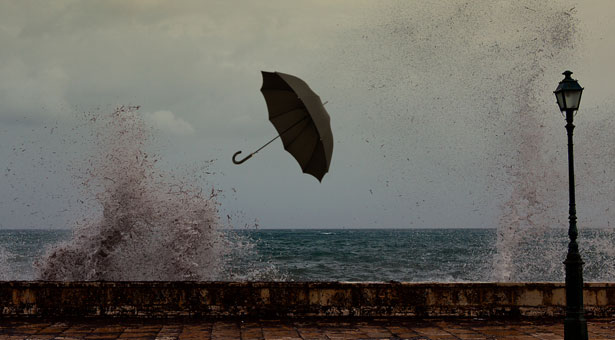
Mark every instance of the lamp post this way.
pixel 568 94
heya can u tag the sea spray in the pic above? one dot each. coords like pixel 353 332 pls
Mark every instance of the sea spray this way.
pixel 142 223
pixel 5 268
pixel 595 173
pixel 479 135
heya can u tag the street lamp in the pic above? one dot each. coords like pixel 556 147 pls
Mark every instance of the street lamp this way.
pixel 568 94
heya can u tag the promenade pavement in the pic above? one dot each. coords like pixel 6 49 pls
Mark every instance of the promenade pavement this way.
pixel 193 329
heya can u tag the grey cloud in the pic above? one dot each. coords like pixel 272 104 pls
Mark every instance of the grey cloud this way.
pixel 168 122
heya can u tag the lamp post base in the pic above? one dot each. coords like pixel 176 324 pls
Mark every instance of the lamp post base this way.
pixel 575 328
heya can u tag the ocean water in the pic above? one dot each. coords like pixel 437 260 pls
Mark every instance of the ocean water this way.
pixel 412 255
pixel 378 255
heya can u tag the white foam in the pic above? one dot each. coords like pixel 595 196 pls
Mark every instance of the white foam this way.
pixel 144 223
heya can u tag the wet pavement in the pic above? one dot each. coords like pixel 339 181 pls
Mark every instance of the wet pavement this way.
pixel 297 329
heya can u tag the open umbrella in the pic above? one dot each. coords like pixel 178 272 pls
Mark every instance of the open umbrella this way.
pixel 301 120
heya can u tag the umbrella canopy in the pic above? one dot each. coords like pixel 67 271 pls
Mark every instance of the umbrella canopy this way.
pixel 299 116
pixel 302 122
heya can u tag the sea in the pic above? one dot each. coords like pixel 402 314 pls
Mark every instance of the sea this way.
pixel 407 255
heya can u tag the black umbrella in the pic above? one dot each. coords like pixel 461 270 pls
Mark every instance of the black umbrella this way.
pixel 301 120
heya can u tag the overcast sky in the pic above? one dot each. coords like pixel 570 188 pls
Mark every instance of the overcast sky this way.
pixel 440 112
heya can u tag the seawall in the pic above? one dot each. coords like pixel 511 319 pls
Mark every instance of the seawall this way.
pixel 296 299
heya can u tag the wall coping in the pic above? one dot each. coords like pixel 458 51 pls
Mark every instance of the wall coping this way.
pixel 296 299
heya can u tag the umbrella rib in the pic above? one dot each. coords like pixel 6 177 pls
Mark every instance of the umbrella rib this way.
pixel 288 111
pixel 279 135
pixel 313 154
pixel 300 132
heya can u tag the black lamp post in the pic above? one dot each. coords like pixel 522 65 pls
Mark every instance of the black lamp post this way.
pixel 568 94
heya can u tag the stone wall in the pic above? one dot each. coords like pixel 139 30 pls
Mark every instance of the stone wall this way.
pixel 296 299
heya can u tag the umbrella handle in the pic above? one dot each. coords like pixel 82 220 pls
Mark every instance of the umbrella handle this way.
pixel 269 142
pixel 243 160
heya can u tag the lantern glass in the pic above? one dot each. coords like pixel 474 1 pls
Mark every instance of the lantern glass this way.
pixel 573 99
pixel 561 102
pixel 568 93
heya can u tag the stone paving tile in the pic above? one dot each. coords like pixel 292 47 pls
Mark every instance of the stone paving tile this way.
pixel 196 331
pixel 225 330
pixel 402 332
pixel 251 330
pixel 309 329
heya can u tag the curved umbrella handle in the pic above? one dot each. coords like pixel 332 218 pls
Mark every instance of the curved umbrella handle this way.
pixel 243 160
